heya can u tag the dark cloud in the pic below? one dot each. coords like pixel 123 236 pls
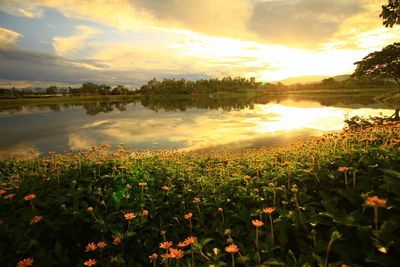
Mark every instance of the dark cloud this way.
pixel 304 23
pixel 18 64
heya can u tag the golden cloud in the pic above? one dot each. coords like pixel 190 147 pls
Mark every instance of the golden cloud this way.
pixel 72 44
pixel 8 38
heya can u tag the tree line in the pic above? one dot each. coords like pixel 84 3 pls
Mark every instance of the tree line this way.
pixel 85 89
pixel 183 86
pixel 203 86
pixel 331 83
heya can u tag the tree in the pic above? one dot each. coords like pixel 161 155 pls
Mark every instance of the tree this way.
pixel 104 89
pixel 391 13
pixel 120 90
pixel 89 88
pixel 51 90
pixel 381 64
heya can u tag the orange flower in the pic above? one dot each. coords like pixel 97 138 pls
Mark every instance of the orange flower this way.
pixel 257 223
pixel 129 216
pixel 145 212
pixel 188 216
pixel 153 257
pixel 91 247
pixel 269 210
pixel 142 184
pixel 190 240
pixel 196 200
pixel 117 240
pixel 30 197
pixel 166 244
pixel 182 244
pixel 36 219
pixel 25 262
pixel 165 187
pixel 176 253
pixel 101 244
pixel 375 201
pixel 2 191
pixel 232 248
pixel 220 209
pixel 9 196
pixel 99 163
pixel 90 262
pixel 343 169
pixel 89 209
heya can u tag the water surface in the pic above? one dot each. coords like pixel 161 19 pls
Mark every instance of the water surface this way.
pixel 185 124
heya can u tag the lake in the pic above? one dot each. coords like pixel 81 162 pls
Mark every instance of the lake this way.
pixel 184 123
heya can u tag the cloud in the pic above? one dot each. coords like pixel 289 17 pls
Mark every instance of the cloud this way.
pixel 72 44
pixel 20 9
pixel 8 38
pixel 23 66
pixel 221 18
pixel 304 23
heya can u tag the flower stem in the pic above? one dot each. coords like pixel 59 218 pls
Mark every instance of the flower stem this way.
pixel 376 220
pixel 272 228
pixel 257 253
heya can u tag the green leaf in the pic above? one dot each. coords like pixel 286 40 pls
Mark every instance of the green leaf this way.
pixel 58 250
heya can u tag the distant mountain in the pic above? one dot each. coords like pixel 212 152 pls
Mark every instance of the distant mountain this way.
pixel 341 78
pixel 311 79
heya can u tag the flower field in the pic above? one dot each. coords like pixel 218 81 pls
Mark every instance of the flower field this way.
pixel 324 201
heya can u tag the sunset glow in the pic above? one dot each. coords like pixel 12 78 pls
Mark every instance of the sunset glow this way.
pixel 129 41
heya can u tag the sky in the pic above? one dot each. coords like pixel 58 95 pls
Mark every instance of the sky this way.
pixel 128 42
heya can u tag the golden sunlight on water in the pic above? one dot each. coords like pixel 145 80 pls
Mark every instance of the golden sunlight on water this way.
pixel 254 126
pixel 287 118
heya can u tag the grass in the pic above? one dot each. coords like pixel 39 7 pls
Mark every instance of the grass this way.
pixel 323 201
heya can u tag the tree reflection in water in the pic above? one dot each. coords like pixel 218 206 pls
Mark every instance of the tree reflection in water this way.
pixel 170 103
